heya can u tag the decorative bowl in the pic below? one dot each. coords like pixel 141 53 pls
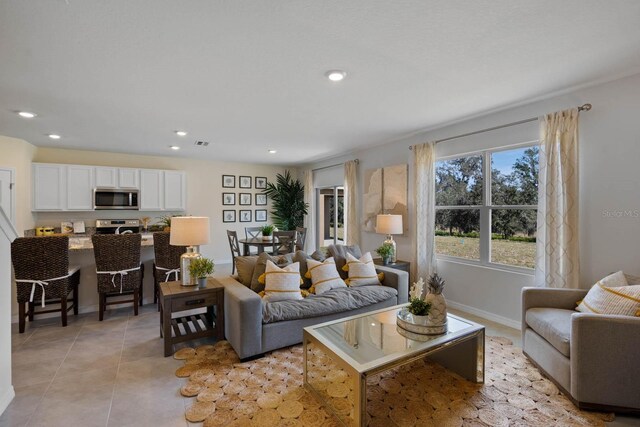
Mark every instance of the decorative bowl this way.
pixel 418 325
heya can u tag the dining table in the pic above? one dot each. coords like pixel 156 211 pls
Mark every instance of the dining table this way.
pixel 257 242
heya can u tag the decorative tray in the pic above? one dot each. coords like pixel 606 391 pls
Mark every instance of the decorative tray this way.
pixel 407 322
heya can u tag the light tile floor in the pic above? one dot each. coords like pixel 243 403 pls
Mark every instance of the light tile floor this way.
pixel 113 373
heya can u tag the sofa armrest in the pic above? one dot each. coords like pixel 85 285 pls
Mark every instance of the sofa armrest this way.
pixel 397 279
pixel 242 318
pixel 604 359
pixel 549 298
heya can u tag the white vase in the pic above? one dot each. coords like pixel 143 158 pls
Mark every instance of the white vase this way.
pixel 438 312
pixel 267 238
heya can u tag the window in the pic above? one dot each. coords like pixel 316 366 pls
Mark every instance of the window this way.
pixel 488 214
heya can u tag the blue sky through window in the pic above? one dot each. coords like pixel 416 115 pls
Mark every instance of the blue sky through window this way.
pixel 504 160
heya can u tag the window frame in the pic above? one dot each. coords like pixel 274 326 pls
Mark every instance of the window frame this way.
pixel 485 210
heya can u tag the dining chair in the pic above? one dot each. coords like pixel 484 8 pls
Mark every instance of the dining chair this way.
pixel 166 265
pixel 284 242
pixel 234 245
pixel 118 269
pixel 252 233
pixel 43 276
pixel 301 239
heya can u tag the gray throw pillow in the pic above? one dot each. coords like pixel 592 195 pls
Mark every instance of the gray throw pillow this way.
pixel 261 266
pixel 245 266
pixel 339 254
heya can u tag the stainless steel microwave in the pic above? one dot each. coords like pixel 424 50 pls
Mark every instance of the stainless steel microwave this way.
pixel 108 198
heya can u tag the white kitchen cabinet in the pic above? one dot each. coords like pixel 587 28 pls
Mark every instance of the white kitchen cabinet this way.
pixel 128 178
pixel 106 177
pixel 49 189
pixel 79 188
pixel 151 195
pixel 175 190
pixel 70 187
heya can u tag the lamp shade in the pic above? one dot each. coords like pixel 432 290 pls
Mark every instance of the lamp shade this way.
pixel 189 230
pixel 389 224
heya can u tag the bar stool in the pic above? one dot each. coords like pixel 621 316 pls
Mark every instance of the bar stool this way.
pixel 118 269
pixel 43 275
pixel 166 266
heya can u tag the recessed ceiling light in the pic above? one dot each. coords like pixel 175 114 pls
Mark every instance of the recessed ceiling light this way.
pixel 336 75
pixel 273 151
pixel 181 133
pixel 174 147
pixel 54 136
pixel 26 114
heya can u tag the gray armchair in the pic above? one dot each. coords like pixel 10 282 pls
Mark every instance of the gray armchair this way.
pixel 593 358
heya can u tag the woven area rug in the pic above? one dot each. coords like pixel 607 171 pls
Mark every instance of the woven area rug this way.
pixel 269 392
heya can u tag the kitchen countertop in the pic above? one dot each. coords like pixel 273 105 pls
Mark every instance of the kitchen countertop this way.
pixel 83 243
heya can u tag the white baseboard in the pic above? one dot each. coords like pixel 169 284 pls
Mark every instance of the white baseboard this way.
pixel 485 314
pixel 6 398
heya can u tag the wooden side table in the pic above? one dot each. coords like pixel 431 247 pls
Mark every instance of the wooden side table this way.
pixel 398 265
pixel 174 298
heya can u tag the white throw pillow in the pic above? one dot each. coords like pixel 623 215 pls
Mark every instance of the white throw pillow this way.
pixel 324 276
pixel 282 283
pixel 361 271
pixel 612 295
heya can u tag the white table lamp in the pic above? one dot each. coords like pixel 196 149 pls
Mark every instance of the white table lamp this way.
pixel 389 225
pixel 190 231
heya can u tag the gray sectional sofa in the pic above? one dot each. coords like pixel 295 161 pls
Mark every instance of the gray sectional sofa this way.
pixel 254 328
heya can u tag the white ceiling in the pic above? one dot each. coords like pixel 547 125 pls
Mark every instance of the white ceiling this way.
pixel 122 75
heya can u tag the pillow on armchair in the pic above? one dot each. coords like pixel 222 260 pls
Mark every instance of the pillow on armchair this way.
pixel 612 295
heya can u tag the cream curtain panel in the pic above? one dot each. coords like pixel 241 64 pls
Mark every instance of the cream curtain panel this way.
pixel 424 187
pixel 557 263
pixel 309 219
pixel 351 229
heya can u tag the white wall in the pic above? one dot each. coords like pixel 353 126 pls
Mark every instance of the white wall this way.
pixel 18 154
pixel 609 190
pixel 7 234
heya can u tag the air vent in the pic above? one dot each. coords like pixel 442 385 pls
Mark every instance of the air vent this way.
pixel 202 143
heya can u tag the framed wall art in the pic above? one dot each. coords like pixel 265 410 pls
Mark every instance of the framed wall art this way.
pixel 228 181
pixel 229 216
pixel 245 199
pixel 261 215
pixel 261 182
pixel 228 199
pixel 245 215
pixel 245 181
pixel 261 199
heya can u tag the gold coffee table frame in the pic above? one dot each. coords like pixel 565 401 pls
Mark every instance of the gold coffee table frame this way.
pixel 360 346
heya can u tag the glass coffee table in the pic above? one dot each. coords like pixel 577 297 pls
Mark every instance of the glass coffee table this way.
pixel 340 355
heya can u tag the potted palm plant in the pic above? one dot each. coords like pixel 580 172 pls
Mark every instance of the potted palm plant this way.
pixel 287 202
pixel 200 269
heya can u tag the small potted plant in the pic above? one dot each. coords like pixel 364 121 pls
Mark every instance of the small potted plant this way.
pixel 199 269
pixel 419 307
pixel 165 222
pixel 267 231
pixel 386 252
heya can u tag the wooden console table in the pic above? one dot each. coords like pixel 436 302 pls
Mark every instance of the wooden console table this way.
pixel 176 298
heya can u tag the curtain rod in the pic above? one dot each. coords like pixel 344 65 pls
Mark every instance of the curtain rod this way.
pixel 331 166
pixel 584 107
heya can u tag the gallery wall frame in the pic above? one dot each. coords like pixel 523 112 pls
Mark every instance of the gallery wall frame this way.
pixel 228 181
pixel 229 215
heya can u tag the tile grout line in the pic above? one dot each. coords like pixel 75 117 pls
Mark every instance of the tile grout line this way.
pixel 54 376
pixel 115 381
